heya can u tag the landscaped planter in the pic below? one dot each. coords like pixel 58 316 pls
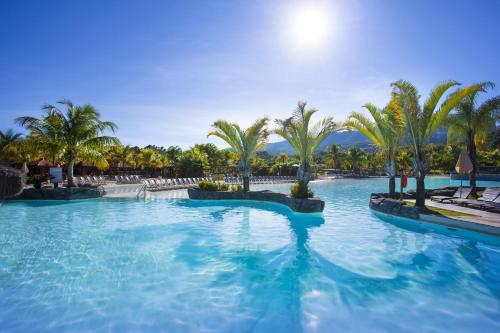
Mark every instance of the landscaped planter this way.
pixel 311 205
pixel 72 193
pixel 381 203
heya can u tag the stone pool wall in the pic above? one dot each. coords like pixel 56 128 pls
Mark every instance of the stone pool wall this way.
pixel 73 193
pixel 310 205
pixel 380 202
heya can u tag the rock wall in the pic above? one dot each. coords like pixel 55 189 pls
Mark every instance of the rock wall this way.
pixel 11 182
pixel 310 205
pixel 382 204
pixel 73 193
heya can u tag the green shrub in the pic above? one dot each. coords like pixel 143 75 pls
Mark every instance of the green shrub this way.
pixel 236 188
pixel 217 177
pixel 207 185
pixel 222 187
pixel 301 191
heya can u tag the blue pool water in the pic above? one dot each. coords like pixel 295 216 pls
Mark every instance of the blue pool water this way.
pixel 125 265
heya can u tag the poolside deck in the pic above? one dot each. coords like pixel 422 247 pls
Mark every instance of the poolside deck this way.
pixel 480 216
pixel 473 219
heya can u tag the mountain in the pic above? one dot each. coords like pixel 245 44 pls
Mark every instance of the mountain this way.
pixel 345 139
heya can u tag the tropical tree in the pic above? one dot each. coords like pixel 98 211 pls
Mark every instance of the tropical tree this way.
pixel 27 150
pixel 356 158
pixel 174 153
pixel 305 139
pixel 122 156
pixel 470 124
pixel 422 121
pixel 149 158
pixel 8 141
pixel 245 143
pixel 77 131
pixel 384 131
pixel 335 156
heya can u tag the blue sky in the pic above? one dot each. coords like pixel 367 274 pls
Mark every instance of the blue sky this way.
pixel 164 70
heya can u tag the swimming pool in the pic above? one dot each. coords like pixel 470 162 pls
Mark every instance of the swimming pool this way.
pixel 164 265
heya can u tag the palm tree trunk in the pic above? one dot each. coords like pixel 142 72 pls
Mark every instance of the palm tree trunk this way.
pixel 471 151
pixel 392 186
pixel 71 180
pixel 420 202
pixel 246 184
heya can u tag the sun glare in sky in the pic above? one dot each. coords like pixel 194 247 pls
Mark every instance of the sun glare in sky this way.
pixel 309 26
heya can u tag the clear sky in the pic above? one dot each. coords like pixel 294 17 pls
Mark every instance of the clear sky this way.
pixel 164 70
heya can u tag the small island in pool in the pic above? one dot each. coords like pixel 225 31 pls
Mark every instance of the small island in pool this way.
pixel 306 205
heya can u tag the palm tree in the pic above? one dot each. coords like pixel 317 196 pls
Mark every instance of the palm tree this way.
pixel 280 161
pixel 244 143
pixel 384 131
pixel 27 150
pixel 78 131
pixel 174 153
pixel 356 158
pixel 422 121
pixel 471 124
pixel 8 141
pixel 335 156
pixel 304 139
pixel 122 156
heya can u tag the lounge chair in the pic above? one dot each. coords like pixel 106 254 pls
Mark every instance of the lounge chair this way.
pixel 493 206
pixel 461 193
pixel 489 195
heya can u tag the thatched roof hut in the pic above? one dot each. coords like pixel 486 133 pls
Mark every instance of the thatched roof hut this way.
pixel 11 182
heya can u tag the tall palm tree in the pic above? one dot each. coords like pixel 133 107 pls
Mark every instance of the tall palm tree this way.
pixel 122 156
pixel 304 138
pixel 356 158
pixel 8 141
pixel 422 121
pixel 27 150
pixel 384 131
pixel 335 156
pixel 471 124
pixel 245 143
pixel 78 130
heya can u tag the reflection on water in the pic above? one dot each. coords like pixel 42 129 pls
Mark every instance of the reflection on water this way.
pixel 176 265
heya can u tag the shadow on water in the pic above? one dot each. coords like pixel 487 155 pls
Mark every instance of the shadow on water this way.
pixel 274 281
pixel 428 245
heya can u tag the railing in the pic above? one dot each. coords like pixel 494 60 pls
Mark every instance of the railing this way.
pixel 142 189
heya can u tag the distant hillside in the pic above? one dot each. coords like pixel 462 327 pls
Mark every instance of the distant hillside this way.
pixel 345 139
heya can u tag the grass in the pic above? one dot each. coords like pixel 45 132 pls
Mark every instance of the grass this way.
pixel 442 211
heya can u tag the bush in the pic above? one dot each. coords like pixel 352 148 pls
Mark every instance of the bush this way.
pixel 301 191
pixel 236 188
pixel 218 177
pixel 223 186
pixel 207 185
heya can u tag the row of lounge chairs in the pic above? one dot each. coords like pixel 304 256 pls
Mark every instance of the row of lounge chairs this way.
pixel 159 184
pixel 489 200
pixel 261 179
pixel 128 179
pixel 90 180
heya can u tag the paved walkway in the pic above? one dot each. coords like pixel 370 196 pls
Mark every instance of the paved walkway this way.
pixel 480 216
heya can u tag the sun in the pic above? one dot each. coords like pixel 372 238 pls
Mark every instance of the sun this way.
pixel 309 26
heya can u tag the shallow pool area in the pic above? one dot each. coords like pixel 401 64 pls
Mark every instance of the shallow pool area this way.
pixel 177 265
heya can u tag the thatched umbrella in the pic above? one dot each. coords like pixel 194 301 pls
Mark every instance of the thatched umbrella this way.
pixel 44 163
pixel 24 168
pixel 11 182
pixel 463 166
